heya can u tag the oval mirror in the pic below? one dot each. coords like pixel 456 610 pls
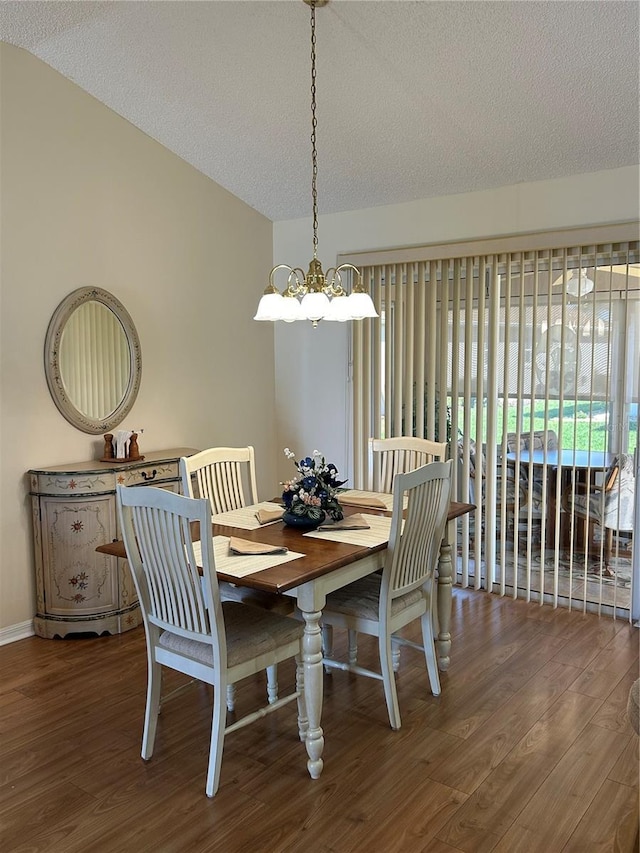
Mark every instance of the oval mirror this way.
pixel 92 360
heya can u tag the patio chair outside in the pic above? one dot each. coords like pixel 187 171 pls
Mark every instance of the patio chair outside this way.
pixel 611 506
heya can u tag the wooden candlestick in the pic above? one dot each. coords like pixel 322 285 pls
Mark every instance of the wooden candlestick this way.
pixel 108 446
pixel 134 451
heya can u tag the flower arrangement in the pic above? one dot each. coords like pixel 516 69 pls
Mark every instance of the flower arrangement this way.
pixel 315 490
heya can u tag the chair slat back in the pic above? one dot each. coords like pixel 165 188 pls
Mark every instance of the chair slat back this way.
pixel 610 477
pixel 619 472
pixel 619 493
pixel 224 475
pixel 414 547
pixel 391 456
pixel 542 439
pixel 156 529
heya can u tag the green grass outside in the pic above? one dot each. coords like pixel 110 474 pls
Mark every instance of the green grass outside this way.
pixel 584 425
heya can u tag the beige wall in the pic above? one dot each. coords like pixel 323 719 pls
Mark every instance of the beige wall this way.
pixel 313 401
pixel 89 200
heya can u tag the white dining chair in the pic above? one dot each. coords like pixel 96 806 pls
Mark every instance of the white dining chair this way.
pixel 382 604
pixel 227 477
pixel 388 457
pixel 188 627
pixel 391 456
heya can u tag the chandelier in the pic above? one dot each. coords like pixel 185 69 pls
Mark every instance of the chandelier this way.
pixel 315 296
pixel 579 285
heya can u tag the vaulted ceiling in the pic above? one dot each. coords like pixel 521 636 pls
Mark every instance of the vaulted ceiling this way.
pixel 415 99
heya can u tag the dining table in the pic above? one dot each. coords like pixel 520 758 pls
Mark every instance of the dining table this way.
pixel 566 464
pixel 315 564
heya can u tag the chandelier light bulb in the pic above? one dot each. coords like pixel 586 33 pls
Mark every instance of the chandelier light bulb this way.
pixel 361 306
pixel 270 306
pixel 314 306
pixel 339 310
pixel 291 309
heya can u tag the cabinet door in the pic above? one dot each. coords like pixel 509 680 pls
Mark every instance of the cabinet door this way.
pixel 78 580
pixel 128 594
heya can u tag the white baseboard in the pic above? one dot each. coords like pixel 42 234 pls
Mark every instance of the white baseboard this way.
pixel 16 632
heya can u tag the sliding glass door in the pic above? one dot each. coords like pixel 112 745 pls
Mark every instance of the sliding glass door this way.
pixel 527 360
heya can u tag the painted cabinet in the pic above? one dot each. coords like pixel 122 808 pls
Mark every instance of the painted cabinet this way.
pixel 79 590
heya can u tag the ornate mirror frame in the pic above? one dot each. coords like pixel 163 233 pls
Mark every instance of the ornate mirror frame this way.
pixel 57 325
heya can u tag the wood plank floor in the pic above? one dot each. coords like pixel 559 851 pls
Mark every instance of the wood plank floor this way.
pixel 527 749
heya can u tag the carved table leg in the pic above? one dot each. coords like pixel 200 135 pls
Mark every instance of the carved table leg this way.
pixel 312 662
pixel 303 722
pixel 445 583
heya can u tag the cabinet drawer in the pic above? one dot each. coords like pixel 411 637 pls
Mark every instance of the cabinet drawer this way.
pixel 72 484
pixel 152 474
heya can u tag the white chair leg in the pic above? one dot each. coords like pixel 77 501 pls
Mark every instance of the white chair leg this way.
pixel 231 697
pixel 303 721
pixel 272 684
pixel 353 647
pixel 430 653
pixel 327 643
pixel 217 739
pixel 154 685
pixel 395 655
pixel 388 679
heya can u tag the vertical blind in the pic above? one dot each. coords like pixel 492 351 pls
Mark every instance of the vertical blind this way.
pixel 498 346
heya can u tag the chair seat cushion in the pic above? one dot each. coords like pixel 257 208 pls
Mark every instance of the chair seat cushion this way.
pixel 616 512
pixel 250 631
pixel 361 598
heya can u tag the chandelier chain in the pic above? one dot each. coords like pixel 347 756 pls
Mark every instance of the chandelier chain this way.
pixel 314 124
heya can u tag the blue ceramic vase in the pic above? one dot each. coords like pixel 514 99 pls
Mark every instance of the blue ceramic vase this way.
pixel 302 522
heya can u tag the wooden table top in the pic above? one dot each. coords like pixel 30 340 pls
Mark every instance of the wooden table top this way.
pixel 321 556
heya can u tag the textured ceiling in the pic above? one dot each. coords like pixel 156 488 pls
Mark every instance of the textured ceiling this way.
pixel 415 99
